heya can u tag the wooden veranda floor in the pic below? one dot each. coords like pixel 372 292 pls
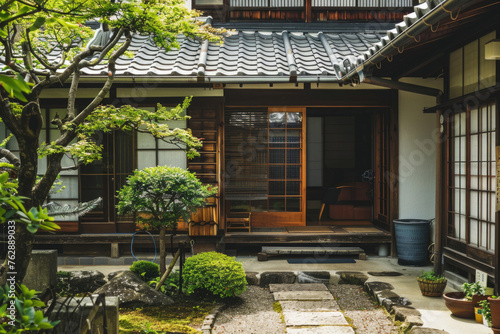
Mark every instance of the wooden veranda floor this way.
pixel 345 232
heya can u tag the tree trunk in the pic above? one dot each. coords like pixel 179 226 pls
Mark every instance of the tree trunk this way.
pixel 24 246
pixel 163 251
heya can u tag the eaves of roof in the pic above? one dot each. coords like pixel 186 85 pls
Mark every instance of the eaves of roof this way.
pixel 426 16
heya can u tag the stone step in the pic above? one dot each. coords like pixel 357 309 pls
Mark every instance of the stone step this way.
pixel 300 250
pixel 309 305
pixel 294 319
pixel 302 295
pixel 321 330
pixel 297 287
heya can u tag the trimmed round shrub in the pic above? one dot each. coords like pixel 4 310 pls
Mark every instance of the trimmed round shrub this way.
pixel 151 269
pixel 214 272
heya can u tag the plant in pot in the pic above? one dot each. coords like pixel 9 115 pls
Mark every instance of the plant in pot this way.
pixel 430 284
pixel 485 305
pixel 461 304
pixel 494 303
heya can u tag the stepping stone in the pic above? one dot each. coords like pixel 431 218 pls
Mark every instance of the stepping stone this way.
pixel 352 277
pixel 309 305
pixel 297 287
pixel 384 273
pixel 267 278
pixel 302 295
pixel 321 330
pixel 313 277
pixel 293 318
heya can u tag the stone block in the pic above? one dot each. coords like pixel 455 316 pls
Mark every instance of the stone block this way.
pixel 313 277
pixel 424 330
pixel 71 319
pixel 252 278
pixel 302 295
pixel 352 277
pixel 309 305
pixel 293 319
pixel 267 278
pixel 321 330
pixel 401 313
pixel 42 270
pixel 373 287
pixel 297 287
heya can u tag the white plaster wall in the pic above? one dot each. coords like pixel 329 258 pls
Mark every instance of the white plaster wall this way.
pixel 417 152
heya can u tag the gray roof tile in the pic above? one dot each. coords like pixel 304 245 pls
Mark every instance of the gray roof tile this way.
pixel 243 53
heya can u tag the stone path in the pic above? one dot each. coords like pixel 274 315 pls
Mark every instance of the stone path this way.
pixel 310 308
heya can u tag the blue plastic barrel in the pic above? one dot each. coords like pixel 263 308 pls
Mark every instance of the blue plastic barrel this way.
pixel 412 241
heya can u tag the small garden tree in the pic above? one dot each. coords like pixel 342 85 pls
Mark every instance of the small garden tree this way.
pixel 48 43
pixel 163 195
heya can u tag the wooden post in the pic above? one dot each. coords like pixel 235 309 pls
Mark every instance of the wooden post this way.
pixel 394 167
pixel 438 223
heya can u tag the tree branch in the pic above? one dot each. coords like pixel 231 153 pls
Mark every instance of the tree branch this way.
pixel 13 159
pixel 8 116
pixel 72 94
pixel 107 86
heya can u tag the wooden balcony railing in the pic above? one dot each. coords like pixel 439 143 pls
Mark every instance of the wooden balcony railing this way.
pixel 305 10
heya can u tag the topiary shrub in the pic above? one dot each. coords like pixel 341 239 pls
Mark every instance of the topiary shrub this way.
pixel 214 272
pixel 150 269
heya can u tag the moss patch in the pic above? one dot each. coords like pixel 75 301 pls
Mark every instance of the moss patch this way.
pixel 176 318
pixel 277 307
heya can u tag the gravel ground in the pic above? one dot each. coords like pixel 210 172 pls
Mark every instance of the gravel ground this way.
pixel 366 317
pixel 253 314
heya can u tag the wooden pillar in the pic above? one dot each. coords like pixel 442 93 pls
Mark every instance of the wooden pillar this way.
pixel 440 185
pixel 394 167
pixel 308 5
pixel 497 214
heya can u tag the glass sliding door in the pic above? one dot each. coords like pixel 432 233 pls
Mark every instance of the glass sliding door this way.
pixel 264 158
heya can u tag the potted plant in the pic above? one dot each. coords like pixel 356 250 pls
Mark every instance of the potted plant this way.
pixel 485 305
pixel 430 284
pixel 461 304
pixel 494 303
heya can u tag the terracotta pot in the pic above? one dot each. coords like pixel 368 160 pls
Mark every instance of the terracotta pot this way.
pixel 495 312
pixel 431 288
pixel 495 330
pixel 458 306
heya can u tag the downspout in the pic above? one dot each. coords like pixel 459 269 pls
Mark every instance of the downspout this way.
pixel 289 56
pixel 202 62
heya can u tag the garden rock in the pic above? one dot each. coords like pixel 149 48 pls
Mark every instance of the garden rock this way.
pixel 267 278
pixel 352 277
pixel 113 274
pixel 423 330
pixel 373 287
pixel 132 291
pixel 85 281
pixel 252 278
pixel 313 277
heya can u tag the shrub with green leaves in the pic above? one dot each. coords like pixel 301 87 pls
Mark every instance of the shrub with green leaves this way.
pixel 431 276
pixel 171 285
pixel 471 289
pixel 148 270
pixel 214 272
pixel 22 311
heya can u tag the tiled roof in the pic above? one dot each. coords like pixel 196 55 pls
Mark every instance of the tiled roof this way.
pixel 245 54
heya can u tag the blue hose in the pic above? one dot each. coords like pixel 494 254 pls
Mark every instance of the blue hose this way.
pixel 132 245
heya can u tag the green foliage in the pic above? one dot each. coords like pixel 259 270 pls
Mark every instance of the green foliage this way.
pixel 171 285
pixel 485 304
pixel 214 272
pixel 165 194
pixel 178 318
pixel 471 289
pixel 21 311
pixel 12 208
pixel 431 276
pixel 150 269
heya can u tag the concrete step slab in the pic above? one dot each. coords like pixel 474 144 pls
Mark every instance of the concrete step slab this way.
pixel 294 319
pixel 297 287
pixel 321 330
pixel 309 306
pixel 302 295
